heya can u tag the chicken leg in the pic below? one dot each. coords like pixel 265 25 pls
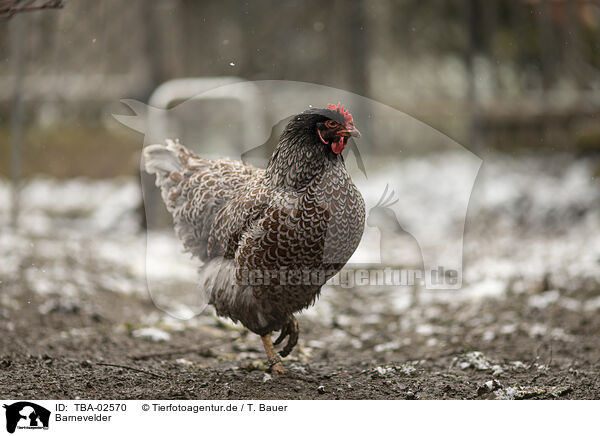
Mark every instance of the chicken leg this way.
pixel 274 361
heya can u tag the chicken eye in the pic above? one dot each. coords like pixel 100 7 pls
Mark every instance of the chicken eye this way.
pixel 330 124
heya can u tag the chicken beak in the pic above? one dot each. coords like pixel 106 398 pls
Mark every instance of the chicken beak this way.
pixel 352 131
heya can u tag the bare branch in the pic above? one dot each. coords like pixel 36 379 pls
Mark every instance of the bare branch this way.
pixel 8 8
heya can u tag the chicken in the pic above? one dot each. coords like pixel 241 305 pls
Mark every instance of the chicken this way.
pixel 268 238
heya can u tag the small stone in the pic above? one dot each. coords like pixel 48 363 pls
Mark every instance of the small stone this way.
pixel 489 386
pixel 410 395
pixel 497 370
pixel 321 389
pixel 255 365
pixel 559 391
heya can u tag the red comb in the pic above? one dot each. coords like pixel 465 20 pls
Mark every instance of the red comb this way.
pixel 340 108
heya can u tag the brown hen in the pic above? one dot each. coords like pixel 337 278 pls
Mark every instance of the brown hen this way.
pixel 268 239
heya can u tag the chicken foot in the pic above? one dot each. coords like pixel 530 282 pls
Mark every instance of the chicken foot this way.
pixel 292 330
pixel 274 361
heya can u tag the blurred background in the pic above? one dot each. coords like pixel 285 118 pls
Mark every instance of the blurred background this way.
pixel 494 74
pixel 516 82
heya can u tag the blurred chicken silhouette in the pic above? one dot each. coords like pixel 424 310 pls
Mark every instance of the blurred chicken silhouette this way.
pixel 398 248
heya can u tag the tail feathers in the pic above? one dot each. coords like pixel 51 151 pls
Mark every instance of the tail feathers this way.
pixel 168 162
pixel 160 158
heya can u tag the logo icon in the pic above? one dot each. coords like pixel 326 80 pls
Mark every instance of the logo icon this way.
pixel 420 236
pixel 383 217
pixel 26 415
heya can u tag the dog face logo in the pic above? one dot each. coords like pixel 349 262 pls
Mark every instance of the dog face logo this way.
pixel 26 415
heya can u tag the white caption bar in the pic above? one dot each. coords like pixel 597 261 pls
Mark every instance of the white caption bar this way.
pixel 266 418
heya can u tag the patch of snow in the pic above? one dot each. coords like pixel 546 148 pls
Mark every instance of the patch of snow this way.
pixel 570 304
pixel 388 346
pixel 426 329
pixel 151 334
pixel 592 304
pixel 538 330
pixel 544 300
pixel 316 344
pixel 488 335
pixel 510 393
pixel 497 370
pixel 474 359
pixel 84 236
pixel 508 329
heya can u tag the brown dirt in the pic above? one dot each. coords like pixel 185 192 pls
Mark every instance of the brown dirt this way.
pixel 66 352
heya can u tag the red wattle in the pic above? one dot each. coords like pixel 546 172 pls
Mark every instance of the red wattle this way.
pixel 338 146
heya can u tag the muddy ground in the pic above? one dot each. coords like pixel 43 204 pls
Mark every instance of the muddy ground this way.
pixel 486 350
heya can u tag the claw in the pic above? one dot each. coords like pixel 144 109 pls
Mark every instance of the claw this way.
pixel 282 335
pixel 292 330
